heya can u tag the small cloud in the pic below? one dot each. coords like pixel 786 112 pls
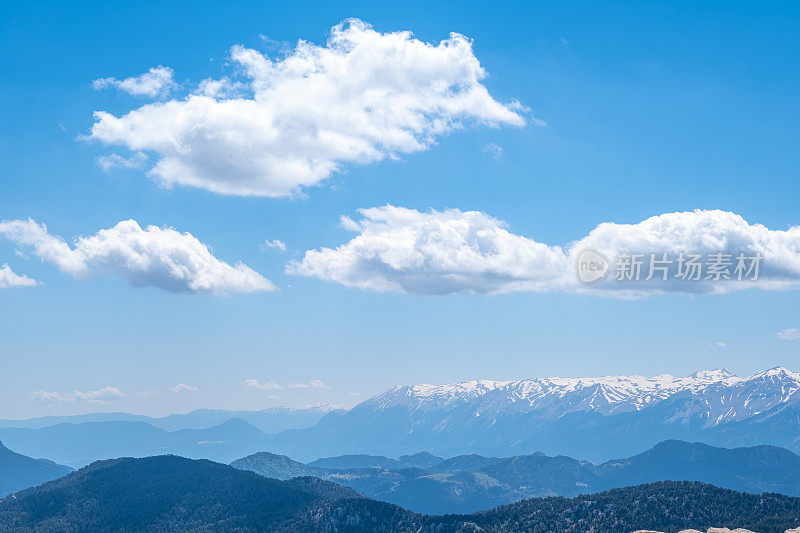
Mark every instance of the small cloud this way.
pixel 717 344
pixel 275 386
pixel 154 82
pixel 104 395
pixel 47 397
pixel 313 384
pixel 182 387
pixel 355 394
pixel 8 279
pixel 267 385
pixel 275 243
pixel 789 334
pixel 107 162
pixel 275 46
pixel 494 150
pixel 99 396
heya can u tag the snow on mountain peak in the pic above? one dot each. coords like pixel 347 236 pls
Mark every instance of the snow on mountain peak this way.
pixel 718 394
pixel 717 374
pixel 781 372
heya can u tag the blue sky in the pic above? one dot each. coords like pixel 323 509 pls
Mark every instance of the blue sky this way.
pixel 649 109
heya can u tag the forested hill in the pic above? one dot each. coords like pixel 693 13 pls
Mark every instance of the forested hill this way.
pixel 667 506
pixel 173 493
pixel 177 494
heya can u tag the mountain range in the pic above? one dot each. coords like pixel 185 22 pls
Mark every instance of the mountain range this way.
pixel 468 483
pixel 170 493
pixel 595 419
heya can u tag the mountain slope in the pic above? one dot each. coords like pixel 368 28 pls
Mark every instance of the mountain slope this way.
pixel 755 469
pixel 276 466
pixel 19 472
pixel 469 483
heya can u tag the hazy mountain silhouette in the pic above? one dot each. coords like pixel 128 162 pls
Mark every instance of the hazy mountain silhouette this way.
pixel 19 472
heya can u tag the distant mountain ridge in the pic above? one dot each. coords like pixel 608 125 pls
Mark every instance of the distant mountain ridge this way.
pixel 727 396
pixel 270 421
pixel 170 493
pixel 469 483
pixel 203 433
pixel 608 394
pixel 19 472
pixel 77 445
pixel 345 462
pixel 591 418
pixel 596 419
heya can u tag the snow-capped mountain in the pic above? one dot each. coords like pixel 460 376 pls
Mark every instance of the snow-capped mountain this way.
pixel 592 418
pixel 719 395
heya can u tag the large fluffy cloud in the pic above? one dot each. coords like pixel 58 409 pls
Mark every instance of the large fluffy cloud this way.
pixel 9 278
pixel 404 250
pixel 438 252
pixel 153 256
pixel 362 97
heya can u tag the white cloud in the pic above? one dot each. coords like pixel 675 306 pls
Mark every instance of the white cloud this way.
pixel 47 397
pixel 494 150
pixel 440 252
pixel 156 257
pixel 717 344
pixel 267 385
pixel 313 384
pixel 99 396
pixel 273 385
pixel 8 278
pixel 103 395
pixel 437 252
pixel 182 387
pixel 156 81
pixel 789 334
pixel 135 160
pixel 275 243
pixel 362 97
